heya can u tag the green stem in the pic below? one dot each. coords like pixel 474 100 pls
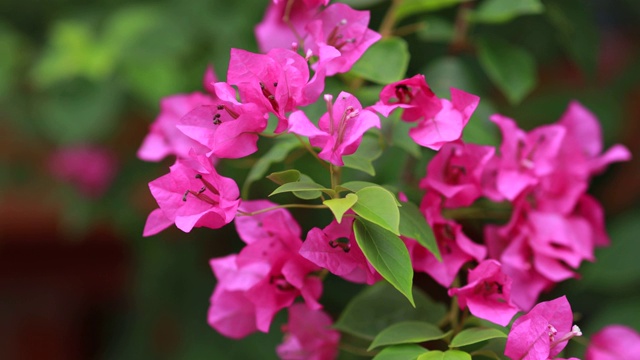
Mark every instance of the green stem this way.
pixel 476 213
pixel 389 20
pixel 311 151
pixel 301 206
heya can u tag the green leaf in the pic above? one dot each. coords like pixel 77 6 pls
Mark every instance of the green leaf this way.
pixel 446 72
pixel 384 62
pixel 414 225
pixel 447 355
pixel 387 253
pixel 436 29
pixel 359 163
pixel 307 195
pixel 377 205
pixel 340 206
pixel 276 154
pixel 511 68
pixel 400 352
pixel 362 159
pixel 407 332
pixel 475 335
pixel 356 185
pixel 401 138
pixel 413 7
pixel 283 177
pixel 300 186
pixel 380 306
pixel 578 32
pixel 500 11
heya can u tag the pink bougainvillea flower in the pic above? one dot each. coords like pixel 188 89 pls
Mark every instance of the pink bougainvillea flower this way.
pixel 487 293
pixel 277 82
pixel 90 169
pixel 525 157
pixel 543 332
pixel 308 335
pixel 340 129
pixel 273 32
pixel 338 36
pixel 164 138
pixel 192 195
pixel 413 95
pixel 456 172
pixel 455 247
pixel 439 121
pixel 274 223
pixel 614 342
pixel 584 136
pixel 269 274
pixel 335 249
pixel 225 129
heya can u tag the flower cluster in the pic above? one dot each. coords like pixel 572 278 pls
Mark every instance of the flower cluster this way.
pixel 541 176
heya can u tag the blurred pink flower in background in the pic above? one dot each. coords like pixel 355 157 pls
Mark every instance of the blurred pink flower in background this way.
pixel 89 168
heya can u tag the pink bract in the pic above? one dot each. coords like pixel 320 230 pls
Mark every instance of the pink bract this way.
pixel 455 247
pixel 268 274
pixel 335 249
pixel 277 82
pixel 614 342
pixel 542 333
pixel 456 172
pixel 272 32
pixel 340 129
pixel 164 138
pixel 338 36
pixel 225 129
pixel 439 121
pixel 308 335
pixel 192 195
pixel 487 293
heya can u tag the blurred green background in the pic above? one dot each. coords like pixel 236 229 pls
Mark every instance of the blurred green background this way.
pixel 77 280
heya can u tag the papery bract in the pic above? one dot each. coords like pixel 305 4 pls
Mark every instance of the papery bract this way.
pixel 340 129
pixel 277 82
pixel 226 129
pixel 335 249
pixel 525 157
pixel 193 194
pixel 439 121
pixel 164 138
pixel 338 36
pixel 273 32
pixel 487 293
pixel 456 172
pixel 543 332
pixel 413 95
pixel 584 136
pixel 268 273
pixel 308 335
pixel 614 342
pixel 455 247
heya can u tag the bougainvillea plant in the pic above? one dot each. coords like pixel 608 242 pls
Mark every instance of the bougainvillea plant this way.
pixel 297 103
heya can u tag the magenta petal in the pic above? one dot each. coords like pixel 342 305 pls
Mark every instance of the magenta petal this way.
pixel 614 342
pixel 156 222
pixel 231 314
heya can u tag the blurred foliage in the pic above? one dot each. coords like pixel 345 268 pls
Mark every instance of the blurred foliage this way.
pixel 77 72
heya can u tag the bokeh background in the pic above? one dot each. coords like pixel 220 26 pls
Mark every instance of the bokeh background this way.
pixel 81 81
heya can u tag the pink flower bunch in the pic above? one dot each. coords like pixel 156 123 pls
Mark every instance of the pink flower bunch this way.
pixel 542 175
pixel 265 277
pixel 217 125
